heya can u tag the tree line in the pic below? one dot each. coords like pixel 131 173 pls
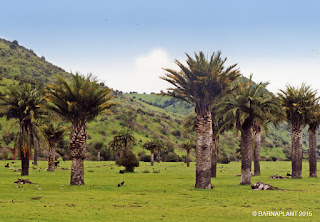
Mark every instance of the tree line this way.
pixel 223 99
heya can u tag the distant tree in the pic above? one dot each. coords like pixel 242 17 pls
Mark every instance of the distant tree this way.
pixel 79 102
pixel 152 145
pixel 53 133
pixel 188 146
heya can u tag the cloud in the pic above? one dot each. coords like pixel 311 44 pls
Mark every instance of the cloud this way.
pixel 148 68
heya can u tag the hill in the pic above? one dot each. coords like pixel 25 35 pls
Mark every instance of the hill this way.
pixel 22 64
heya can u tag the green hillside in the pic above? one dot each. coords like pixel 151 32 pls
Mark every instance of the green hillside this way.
pixel 23 64
pixel 165 102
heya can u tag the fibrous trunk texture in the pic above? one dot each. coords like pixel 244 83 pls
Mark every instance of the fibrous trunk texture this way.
pixel 246 154
pixel 313 152
pixel 188 158
pixel 78 139
pixel 51 159
pixel 296 151
pixel 152 158
pixel 98 157
pixel 24 163
pixel 257 146
pixel 203 150
pixel 214 158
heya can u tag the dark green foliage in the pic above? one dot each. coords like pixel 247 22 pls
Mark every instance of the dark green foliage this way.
pixel 128 160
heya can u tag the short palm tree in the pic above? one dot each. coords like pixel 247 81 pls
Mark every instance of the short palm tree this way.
pixel 200 83
pixel 297 103
pixel 152 145
pixel 53 134
pixel 125 138
pixel 79 102
pixel 27 105
pixel 159 149
pixel 188 146
pixel 247 104
pixel 116 146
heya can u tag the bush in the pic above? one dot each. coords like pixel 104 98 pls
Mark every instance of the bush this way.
pixel 145 158
pixel 171 157
pixel 128 160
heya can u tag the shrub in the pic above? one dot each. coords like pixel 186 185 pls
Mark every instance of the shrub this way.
pixel 128 160
pixel 145 158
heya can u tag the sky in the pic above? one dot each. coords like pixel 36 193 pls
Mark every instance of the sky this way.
pixel 127 43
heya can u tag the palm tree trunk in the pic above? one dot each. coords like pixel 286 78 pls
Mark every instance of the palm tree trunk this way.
pixel 188 158
pixel 296 151
pixel 312 152
pixel 214 158
pixel 35 153
pixel 24 163
pixel 98 157
pixel 158 156
pixel 246 155
pixel 257 147
pixel 51 157
pixel 152 158
pixel 78 139
pixel 203 150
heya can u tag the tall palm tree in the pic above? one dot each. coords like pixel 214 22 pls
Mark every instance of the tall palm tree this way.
pixel 188 146
pixel 53 134
pixel 152 145
pixel 26 104
pixel 314 121
pixel 200 83
pixel 297 103
pixel 247 104
pixel 79 102
pixel 274 115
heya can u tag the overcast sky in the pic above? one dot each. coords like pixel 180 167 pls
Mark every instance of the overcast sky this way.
pixel 127 43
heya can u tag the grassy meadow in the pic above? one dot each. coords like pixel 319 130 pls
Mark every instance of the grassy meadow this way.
pixel 164 192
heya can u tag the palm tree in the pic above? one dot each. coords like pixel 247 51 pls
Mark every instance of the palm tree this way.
pixel 53 134
pixel 98 146
pixel 79 102
pixel 116 146
pixel 314 121
pixel 297 103
pixel 247 104
pixel 27 105
pixel 188 146
pixel 200 83
pixel 159 148
pixel 125 138
pixel 152 145
pixel 275 115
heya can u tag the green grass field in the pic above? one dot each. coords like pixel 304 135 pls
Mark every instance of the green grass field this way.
pixel 161 193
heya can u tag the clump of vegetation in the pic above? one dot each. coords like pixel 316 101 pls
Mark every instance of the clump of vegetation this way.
pixel 128 160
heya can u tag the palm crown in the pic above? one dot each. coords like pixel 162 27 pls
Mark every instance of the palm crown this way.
pixel 201 81
pixel 82 99
pixel 298 103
